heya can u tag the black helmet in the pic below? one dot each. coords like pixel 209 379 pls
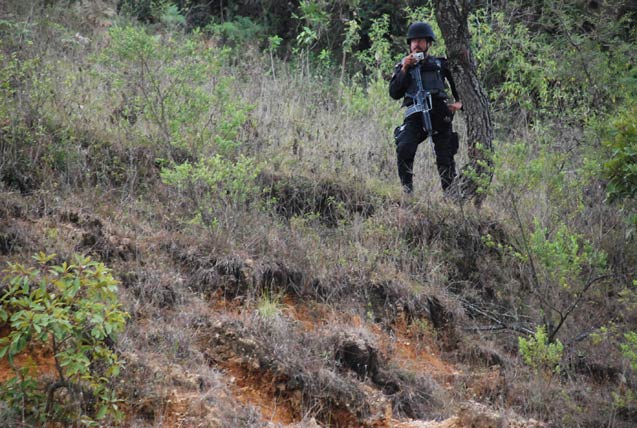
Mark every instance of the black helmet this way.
pixel 420 30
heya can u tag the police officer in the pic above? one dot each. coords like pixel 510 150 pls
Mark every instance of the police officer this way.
pixel 411 133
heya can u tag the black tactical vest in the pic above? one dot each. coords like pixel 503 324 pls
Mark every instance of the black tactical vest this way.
pixel 432 78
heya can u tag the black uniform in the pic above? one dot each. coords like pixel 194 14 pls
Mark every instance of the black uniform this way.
pixel 433 71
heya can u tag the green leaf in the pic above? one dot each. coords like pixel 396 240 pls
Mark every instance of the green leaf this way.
pixel 35 315
pixel 101 412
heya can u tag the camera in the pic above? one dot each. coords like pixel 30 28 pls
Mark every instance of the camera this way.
pixel 419 56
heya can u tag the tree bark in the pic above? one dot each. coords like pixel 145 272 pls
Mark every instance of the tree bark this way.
pixel 452 16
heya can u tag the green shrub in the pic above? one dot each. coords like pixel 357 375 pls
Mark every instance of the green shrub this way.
pixel 539 354
pixel 172 17
pixel 73 310
pixel 621 168
pixel 269 306
pixel 558 72
pixel 25 93
pixel 179 85
pixel 629 349
pixel 627 397
pixel 564 256
pixel 564 267
pixel 378 59
pixel 217 187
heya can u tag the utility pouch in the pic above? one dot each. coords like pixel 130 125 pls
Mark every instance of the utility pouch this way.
pixel 397 131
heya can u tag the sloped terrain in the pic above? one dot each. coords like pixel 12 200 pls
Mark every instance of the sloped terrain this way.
pixel 222 337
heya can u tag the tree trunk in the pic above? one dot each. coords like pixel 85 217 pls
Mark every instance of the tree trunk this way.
pixel 474 178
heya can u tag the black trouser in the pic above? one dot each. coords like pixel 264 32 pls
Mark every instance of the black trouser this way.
pixel 411 134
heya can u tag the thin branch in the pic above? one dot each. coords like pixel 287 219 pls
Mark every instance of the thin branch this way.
pixel 511 327
pixel 571 308
pixel 583 335
pixel 583 62
pixel 527 249
pixel 58 367
pixel 502 324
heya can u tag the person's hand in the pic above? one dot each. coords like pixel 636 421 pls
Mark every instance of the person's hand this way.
pixel 454 107
pixel 408 61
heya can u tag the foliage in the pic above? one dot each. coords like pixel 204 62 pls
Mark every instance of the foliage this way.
pixel 629 349
pixel 184 98
pixel 313 19
pixel 563 266
pixel 378 59
pixel 514 63
pixel 269 306
pixel 351 38
pixel 178 86
pixel 368 97
pixel 26 110
pixel 239 31
pixel 172 17
pixel 73 310
pixel 539 354
pixel 627 397
pixel 621 167
pixel 529 70
pixel 26 79
pixel 218 187
pixel 314 14
pixel 547 181
pixel 563 255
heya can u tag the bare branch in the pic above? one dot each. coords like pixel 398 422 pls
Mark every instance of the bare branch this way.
pixel 571 308
pixel 500 324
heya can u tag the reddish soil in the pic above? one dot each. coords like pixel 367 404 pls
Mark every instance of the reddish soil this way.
pixel 263 391
pixel 39 360
pixel 416 351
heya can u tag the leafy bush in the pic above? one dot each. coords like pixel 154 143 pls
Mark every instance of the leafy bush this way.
pixel 627 397
pixel 563 268
pixel 172 17
pixel 514 63
pixel 539 354
pixel 629 349
pixel 621 168
pixel 564 257
pixel 25 93
pixel 73 310
pixel 533 71
pixel 179 86
pixel 218 187
pixel 378 58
